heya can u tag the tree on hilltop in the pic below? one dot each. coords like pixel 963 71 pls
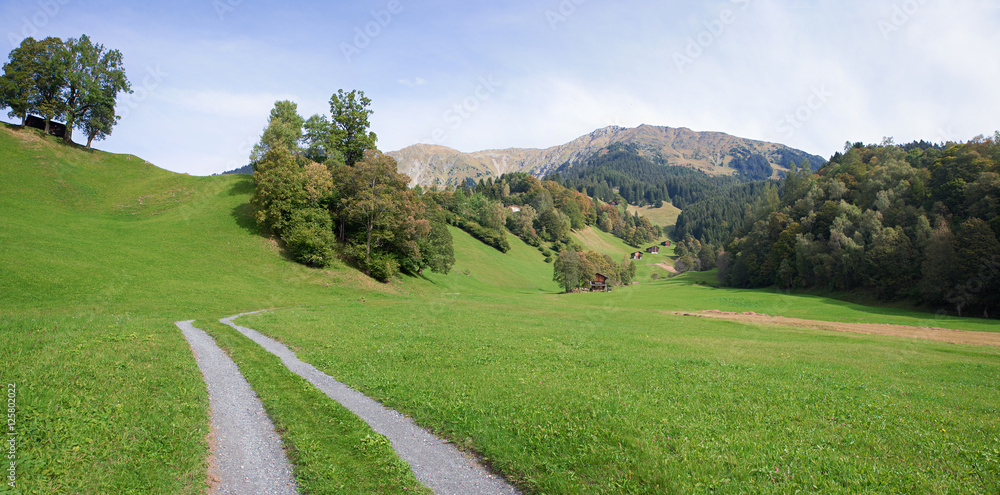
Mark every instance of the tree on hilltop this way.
pixel 76 80
pixel 94 77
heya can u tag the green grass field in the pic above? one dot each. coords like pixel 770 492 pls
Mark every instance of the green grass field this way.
pixel 563 393
pixel 665 216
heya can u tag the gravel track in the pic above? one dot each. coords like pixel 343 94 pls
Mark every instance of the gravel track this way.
pixel 436 463
pixel 247 453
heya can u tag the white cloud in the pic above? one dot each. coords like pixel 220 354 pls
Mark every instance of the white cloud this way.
pixel 606 64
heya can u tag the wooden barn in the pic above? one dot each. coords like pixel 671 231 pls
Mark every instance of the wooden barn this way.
pixel 637 255
pixel 600 283
pixel 653 250
pixel 55 128
pixel 665 243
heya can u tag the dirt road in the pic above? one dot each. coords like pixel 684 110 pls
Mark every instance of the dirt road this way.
pixel 927 333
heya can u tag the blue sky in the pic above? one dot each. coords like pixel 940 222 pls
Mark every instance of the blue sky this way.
pixel 810 74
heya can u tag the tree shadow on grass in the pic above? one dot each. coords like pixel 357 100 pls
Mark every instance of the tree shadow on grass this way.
pixel 243 214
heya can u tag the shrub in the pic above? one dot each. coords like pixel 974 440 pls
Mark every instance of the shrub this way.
pixel 309 238
pixel 382 266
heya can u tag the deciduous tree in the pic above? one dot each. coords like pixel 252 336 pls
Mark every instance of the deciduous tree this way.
pixel 94 76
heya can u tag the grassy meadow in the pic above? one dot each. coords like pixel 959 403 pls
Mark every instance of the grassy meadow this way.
pixel 665 216
pixel 562 393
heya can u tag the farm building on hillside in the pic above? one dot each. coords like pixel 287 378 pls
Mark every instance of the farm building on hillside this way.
pixel 599 284
pixel 514 208
pixel 637 255
pixel 653 250
pixel 55 128
pixel 665 243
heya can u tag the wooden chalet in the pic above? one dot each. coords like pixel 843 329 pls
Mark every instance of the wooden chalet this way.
pixel 637 255
pixel 600 283
pixel 665 243
pixel 653 250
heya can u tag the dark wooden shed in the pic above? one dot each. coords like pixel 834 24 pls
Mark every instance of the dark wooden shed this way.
pixel 55 128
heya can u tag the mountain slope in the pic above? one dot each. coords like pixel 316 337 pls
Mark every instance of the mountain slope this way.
pixel 713 152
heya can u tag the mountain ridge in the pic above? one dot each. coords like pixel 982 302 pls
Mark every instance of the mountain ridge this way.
pixel 711 151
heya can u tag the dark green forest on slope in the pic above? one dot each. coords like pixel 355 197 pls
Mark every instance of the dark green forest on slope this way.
pixel 916 222
pixel 713 206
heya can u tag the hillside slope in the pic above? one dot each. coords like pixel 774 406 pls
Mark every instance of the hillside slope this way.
pixel 712 152
pixel 99 255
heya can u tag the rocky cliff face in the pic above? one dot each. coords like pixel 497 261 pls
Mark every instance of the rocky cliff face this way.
pixel 708 151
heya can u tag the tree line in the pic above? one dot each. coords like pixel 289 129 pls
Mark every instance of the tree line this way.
pixel 918 222
pixel 77 81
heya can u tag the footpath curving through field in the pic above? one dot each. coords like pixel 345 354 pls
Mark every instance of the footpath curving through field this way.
pixel 435 463
pixel 926 333
pixel 247 456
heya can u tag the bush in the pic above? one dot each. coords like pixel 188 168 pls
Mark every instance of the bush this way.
pixel 493 238
pixel 382 266
pixel 308 235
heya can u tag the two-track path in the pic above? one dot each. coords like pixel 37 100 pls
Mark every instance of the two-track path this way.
pixel 247 456
pixel 247 452
pixel 436 463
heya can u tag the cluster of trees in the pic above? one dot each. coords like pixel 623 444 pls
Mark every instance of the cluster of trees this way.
pixel 472 212
pixel 77 81
pixel 634 229
pixel 694 255
pixel 547 210
pixel 323 187
pixel 919 222
pixel 576 269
